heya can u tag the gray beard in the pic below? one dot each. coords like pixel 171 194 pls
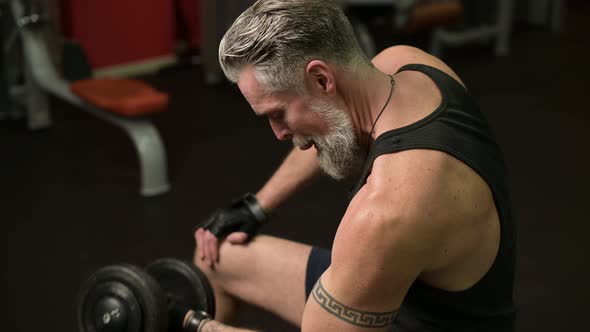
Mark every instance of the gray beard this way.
pixel 339 154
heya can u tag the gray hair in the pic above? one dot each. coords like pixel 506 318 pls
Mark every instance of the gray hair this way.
pixel 279 38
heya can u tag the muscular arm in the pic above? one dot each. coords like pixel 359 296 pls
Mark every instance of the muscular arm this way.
pixel 380 248
pixel 297 170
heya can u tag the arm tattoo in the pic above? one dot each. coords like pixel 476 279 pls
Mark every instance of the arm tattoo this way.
pixel 351 316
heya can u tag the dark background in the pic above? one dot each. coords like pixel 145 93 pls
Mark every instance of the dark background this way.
pixel 69 201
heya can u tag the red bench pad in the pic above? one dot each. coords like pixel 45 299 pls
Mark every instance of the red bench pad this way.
pixel 121 96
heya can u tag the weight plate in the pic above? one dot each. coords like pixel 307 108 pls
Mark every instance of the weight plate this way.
pixel 183 283
pixel 121 298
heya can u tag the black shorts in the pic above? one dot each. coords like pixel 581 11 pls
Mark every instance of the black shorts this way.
pixel 318 262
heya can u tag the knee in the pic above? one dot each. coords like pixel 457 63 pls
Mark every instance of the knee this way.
pixel 224 268
pixel 236 262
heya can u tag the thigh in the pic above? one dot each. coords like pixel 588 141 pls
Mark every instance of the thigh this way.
pixel 268 272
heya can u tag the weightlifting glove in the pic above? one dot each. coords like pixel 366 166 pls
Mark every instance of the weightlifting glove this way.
pixel 243 215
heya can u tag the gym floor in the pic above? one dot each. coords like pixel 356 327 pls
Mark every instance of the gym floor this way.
pixel 69 200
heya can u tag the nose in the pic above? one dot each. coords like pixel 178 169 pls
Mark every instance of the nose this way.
pixel 281 130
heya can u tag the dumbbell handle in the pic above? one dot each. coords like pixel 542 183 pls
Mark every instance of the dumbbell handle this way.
pixel 195 320
pixel 186 319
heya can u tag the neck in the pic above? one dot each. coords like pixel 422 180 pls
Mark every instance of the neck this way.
pixel 365 94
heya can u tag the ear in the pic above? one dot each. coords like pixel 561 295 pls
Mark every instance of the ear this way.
pixel 320 78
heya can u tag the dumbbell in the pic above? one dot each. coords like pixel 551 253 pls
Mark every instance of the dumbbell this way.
pixel 126 298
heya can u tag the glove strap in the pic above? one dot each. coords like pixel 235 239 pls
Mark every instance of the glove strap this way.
pixel 254 207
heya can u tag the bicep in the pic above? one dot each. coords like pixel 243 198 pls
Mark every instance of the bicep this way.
pixel 324 312
pixel 372 268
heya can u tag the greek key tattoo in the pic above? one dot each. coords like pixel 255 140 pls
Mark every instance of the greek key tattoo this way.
pixel 351 316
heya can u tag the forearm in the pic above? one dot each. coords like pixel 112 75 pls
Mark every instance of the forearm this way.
pixel 297 170
pixel 214 326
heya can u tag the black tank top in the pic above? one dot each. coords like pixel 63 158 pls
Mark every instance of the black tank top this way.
pixel 458 128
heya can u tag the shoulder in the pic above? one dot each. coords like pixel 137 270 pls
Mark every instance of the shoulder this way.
pixel 431 188
pixel 410 218
pixel 411 185
pixel 391 59
pixel 380 238
pixel 398 209
pixel 417 201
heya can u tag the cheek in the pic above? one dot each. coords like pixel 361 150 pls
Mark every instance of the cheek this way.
pixel 309 124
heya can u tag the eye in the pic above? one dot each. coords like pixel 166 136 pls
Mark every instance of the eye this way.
pixel 277 115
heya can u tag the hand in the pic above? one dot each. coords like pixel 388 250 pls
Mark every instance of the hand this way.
pixel 239 223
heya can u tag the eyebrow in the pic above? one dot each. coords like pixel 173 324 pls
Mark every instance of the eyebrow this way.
pixel 273 109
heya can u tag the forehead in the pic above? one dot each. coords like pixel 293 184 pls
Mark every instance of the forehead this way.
pixel 261 100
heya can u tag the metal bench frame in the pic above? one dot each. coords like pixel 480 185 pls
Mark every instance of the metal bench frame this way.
pixel 500 30
pixel 42 79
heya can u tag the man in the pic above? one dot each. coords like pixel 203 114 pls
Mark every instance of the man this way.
pixel 427 242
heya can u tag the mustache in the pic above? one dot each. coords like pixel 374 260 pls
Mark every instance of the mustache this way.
pixel 300 141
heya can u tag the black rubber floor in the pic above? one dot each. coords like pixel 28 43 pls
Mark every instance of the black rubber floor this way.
pixel 69 201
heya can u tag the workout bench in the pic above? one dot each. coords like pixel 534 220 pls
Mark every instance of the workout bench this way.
pixel 120 102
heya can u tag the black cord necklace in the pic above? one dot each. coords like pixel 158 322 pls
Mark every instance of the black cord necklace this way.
pixel 381 112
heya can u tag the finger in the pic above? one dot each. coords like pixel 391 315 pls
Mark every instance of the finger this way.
pixel 206 247
pixel 212 247
pixel 203 245
pixel 237 238
pixel 215 246
pixel 197 246
pixel 200 243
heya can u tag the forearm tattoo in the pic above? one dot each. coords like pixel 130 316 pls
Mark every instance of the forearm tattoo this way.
pixel 352 316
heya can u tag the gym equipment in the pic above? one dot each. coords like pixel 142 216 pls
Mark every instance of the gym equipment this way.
pixel 363 36
pixel 498 29
pixel 74 62
pixel 549 13
pixel 7 73
pixel 5 102
pixel 426 15
pixel 125 298
pixel 413 15
pixel 33 77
